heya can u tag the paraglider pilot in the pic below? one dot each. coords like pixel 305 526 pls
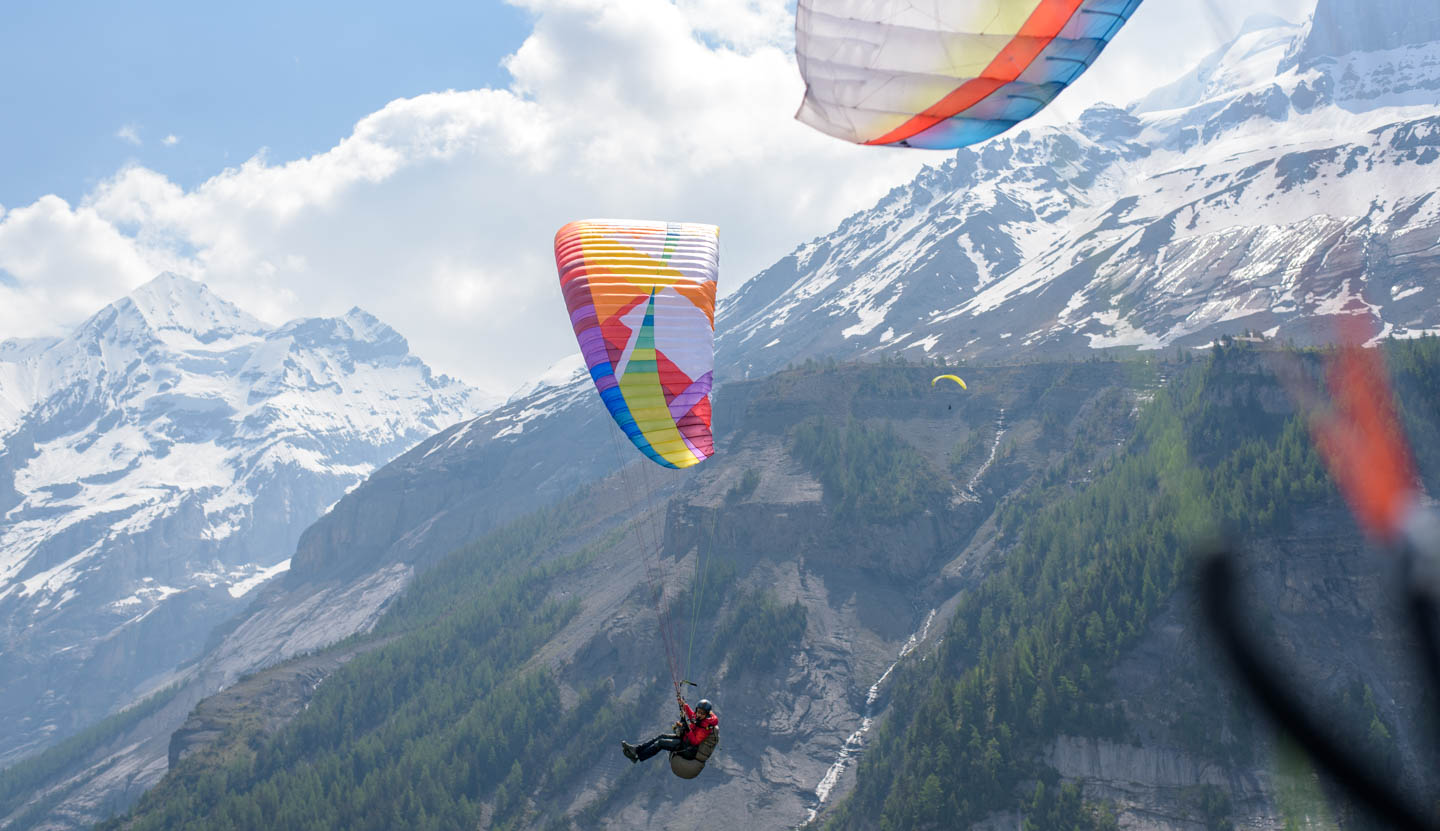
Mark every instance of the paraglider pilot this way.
pixel 689 732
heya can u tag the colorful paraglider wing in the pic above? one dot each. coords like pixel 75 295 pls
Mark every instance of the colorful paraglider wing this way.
pixel 641 297
pixel 942 73
pixel 956 378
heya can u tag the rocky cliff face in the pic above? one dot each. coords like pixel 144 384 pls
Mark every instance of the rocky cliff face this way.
pixel 1332 611
pixel 878 595
pixel 866 589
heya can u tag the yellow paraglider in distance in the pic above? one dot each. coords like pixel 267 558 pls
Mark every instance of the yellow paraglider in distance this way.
pixel 957 379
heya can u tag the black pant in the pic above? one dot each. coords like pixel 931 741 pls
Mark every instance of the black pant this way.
pixel 667 741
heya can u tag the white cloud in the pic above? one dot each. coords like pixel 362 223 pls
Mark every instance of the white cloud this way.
pixel 171 140
pixel 760 22
pixel 437 213
pixel 130 134
pixel 66 264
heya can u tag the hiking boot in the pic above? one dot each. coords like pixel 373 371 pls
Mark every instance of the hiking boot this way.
pixel 629 750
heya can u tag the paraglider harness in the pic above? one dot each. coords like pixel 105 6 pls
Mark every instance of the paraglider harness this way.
pixel 688 761
pixel 696 752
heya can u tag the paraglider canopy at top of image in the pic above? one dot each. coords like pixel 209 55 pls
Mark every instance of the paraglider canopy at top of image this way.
pixel 641 296
pixel 942 73
pixel 956 378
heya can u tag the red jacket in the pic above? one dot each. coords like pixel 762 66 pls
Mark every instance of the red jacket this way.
pixel 699 728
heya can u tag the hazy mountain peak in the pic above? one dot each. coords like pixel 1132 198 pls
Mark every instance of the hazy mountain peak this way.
pixel 173 302
pixel 1251 56
pixel 167 455
pixel 1263 20
pixel 366 327
pixel 566 372
pixel 1339 27
pixel 356 331
pixel 1109 121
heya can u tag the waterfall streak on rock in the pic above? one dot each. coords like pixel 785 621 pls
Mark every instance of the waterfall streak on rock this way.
pixel 857 739
pixel 970 495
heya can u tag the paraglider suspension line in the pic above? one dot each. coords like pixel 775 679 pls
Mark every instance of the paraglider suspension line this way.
pixel 661 580
pixel 698 590
pixel 649 545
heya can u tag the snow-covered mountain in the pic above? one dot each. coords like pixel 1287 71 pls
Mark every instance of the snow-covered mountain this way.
pixel 1261 192
pixel 159 463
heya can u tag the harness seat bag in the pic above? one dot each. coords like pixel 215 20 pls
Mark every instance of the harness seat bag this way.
pixel 688 763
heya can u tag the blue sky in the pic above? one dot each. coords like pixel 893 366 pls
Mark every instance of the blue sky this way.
pixel 293 78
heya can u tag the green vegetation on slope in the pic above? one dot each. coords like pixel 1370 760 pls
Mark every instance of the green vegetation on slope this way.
pixel 1416 373
pixel 749 481
pixel 19 781
pixel 870 473
pixel 760 629
pixel 444 724
pixel 1059 806
pixel 1298 793
pixel 1085 570
pixel 421 731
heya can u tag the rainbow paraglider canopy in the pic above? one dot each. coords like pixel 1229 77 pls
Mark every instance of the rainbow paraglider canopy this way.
pixel 641 296
pixel 942 73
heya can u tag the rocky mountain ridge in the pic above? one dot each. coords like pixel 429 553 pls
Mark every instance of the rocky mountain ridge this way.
pixel 1244 196
pixel 158 464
